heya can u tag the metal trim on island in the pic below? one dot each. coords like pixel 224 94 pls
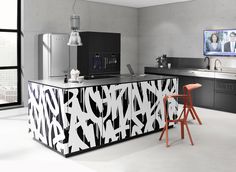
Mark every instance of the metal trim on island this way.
pixel 74 120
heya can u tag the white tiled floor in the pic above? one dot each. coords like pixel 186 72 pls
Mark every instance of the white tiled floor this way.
pixel 214 149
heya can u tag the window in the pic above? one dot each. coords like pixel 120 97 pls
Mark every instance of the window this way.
pixel 10 53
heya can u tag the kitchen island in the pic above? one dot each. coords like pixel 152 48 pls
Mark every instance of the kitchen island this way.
pixel 72 118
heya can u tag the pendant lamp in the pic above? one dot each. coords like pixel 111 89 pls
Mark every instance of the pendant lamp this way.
pixel 74 39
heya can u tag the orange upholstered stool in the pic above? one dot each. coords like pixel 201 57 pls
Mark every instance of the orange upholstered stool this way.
pixel 182 119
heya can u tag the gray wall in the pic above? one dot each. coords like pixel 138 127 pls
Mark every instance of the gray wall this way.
pixel 174 29
pixel 52 16
pixel 177 29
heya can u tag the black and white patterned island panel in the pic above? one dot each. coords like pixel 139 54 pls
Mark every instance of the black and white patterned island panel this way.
pixel 72 118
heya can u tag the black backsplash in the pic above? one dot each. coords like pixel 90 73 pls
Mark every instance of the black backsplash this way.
pixel 180 62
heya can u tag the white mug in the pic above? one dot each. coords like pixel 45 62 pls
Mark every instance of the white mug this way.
pixel 73 75
pixel 77 72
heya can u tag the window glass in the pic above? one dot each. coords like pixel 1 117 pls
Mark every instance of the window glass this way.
pixel 8 14
pixel 8 49
pixel 8 86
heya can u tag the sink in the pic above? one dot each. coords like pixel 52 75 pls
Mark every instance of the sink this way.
pixel 229 70
pixel 226 70
pixel 206 70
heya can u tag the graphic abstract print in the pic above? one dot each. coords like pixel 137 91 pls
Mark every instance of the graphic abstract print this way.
pixel 46 112
pixel 78 119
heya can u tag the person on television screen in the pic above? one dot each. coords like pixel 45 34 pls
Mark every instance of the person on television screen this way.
pixel 213 44
pixel 230 46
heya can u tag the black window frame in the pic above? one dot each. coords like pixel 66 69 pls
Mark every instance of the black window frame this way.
pixel 18 66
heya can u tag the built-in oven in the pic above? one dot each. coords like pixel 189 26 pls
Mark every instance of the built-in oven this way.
pixel 102 63
pixel 100 54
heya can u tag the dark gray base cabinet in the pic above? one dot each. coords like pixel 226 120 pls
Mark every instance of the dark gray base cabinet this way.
pixel 225 95
pixel 218 94
pixel 202 97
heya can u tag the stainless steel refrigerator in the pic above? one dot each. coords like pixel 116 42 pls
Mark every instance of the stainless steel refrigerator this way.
pixel 54 55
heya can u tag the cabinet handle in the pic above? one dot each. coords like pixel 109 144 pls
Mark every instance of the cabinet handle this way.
pixel 226 92
pixel 105 66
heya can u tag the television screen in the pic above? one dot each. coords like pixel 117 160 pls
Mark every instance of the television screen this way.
pixel 220 42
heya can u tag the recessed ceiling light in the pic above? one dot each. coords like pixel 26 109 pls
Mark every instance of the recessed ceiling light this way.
pixel 138 3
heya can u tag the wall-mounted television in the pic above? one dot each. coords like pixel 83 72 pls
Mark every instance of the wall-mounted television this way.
pixel 220 42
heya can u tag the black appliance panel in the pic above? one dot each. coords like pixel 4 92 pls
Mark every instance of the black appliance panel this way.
pixel 104 63
pixel 103 42
pixel 100 53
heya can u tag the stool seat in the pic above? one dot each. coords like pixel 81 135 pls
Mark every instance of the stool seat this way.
pixel 192 86
pixel 188 103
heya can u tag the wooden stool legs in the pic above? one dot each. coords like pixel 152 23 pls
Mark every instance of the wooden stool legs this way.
pixel 182 130
pixel 183 122
pixel 187 108
pixel 188 103
pixel 194 113
pixel 165 129
pixel 189 134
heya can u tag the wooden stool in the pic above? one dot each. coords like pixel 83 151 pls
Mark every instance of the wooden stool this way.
pixel 188 107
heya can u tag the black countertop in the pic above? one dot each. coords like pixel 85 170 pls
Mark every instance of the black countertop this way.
pixel 194 72
pixel 118 79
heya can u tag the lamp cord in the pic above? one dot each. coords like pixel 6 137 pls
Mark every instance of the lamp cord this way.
pixel 74 6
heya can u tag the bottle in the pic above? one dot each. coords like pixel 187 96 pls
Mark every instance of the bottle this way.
pixel 65 79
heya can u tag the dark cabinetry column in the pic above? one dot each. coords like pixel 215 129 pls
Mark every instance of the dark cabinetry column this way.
pixel 202 97
pixel 225 95
pixel 184 80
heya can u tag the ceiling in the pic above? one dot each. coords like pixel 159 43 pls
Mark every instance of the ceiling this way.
pixel 138 3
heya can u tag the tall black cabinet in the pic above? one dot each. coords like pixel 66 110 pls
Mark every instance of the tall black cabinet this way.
pixel 225 95
pixel 202 97
pixel 100 53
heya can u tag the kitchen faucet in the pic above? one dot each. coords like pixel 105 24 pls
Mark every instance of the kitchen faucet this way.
pixel 220 65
